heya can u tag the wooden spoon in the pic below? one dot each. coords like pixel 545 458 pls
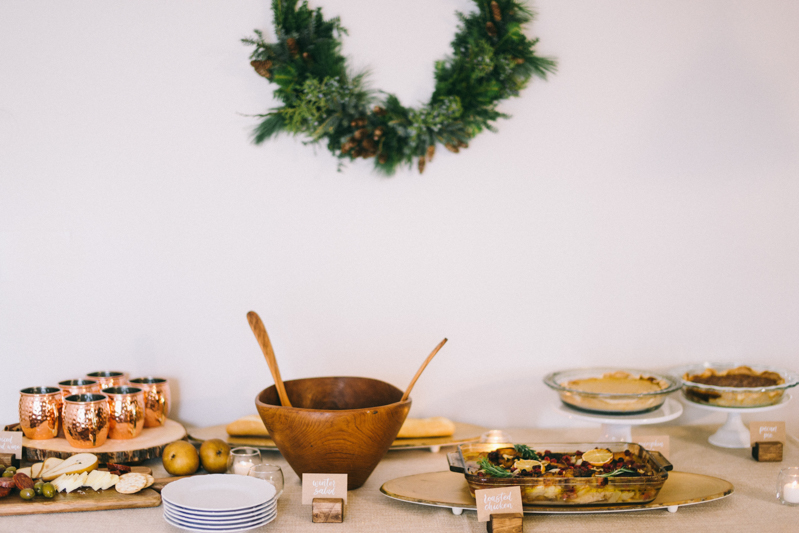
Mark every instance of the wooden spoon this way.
pixel 421 369
pixel 259 331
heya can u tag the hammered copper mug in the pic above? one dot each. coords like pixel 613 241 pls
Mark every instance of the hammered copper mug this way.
pixel 109 378
pixel 78 386
pixel 40 412
pixel 127 412
pixel 156 400
pixel 87 420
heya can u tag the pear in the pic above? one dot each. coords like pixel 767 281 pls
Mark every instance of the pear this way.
pixel 213 456
pixel 181 458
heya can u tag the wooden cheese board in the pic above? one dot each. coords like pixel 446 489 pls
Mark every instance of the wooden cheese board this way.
pixel 84 499
pixel 148 445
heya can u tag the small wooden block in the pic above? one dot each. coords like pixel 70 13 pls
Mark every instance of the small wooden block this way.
pixel 767 451
pixel 8 459
pixel 506 523
pixel 328 510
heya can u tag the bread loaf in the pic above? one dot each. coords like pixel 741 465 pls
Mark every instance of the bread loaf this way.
pixel 248 426
pixel 437 426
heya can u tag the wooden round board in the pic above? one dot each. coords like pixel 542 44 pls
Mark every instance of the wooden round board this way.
pixel 149 444
pixel 463 433
pixel 449 489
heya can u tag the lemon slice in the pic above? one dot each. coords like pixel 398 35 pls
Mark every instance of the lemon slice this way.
pixel 598 456
pixel 526 464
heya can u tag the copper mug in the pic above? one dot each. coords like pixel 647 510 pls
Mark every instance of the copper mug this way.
pixel 127 412
pixel 79 386
pixel 109 378
pixel 40 412
pixel 156 400
pixel 87 420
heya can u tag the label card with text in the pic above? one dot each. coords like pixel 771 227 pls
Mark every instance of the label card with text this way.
pixel 766 432
pixel 654 443
pixel 11 442
pixel 323 486
pixel 498 501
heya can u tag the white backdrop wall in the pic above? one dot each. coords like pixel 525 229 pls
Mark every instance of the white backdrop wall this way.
pixel 640 208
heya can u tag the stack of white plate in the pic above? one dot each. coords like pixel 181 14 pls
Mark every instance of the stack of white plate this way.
pixel 219 502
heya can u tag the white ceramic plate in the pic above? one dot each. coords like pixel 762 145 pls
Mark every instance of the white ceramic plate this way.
pixel 217 520
pixel 246 522
pixel 222 515
pixel 200 515
pixel 218 493
pixel 228 529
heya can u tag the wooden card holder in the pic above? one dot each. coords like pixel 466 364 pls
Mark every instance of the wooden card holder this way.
pixel 8 459
pixel 506 523
pixel 328 510
pixel 767 452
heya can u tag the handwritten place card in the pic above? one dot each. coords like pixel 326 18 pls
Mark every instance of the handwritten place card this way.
pixel 766 432
pixel 11 442
pixel 498 501
pixel 323 486
pixel 655 443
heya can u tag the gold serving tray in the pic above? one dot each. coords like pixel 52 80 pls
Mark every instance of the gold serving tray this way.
pixel 464 433
pixel 449 489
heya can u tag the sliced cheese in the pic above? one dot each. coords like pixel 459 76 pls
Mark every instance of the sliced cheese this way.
pixel 36 470
pixel 82 462
pixel 95 479
pixel 113 478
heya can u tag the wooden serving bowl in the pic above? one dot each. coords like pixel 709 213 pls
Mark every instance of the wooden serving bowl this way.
pixel 336 425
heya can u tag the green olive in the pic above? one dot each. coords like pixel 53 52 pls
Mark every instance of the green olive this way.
pixel 37 487
pixel 27 494
pixel 11 468
pixel 8 473
pixel 48 490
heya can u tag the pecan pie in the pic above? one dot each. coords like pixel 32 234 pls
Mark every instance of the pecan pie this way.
pixel 738 383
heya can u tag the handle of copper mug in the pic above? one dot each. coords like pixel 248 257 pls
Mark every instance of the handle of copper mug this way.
pixel 161 410
pixel 95 428
pixel 134 411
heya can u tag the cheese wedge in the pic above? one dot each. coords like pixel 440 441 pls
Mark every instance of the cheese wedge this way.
pixel 36 470
pixel 95 480
pixel 77 464
pixel 112 480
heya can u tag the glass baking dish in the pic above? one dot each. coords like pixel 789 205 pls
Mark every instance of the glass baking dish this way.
pixel 728 396
pixel 568 490
pixel 613 403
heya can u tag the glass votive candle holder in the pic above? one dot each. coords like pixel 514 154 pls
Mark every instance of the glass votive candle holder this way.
pixel 495 436
pixel 788 486
pixel 242 459
pixel 272 474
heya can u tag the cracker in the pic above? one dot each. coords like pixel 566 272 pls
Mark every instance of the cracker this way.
pixel 131 483
pixel 150 480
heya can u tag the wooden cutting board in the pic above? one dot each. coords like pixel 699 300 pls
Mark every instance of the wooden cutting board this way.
pixel 84 499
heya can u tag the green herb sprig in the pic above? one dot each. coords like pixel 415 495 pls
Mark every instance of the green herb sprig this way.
pixel 526 452
pixel 492 469
pixel 617 472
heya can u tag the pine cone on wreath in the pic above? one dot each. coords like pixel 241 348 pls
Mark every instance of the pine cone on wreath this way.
pixel 262 68
pixel 495 11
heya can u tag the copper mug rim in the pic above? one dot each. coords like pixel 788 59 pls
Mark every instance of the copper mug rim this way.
pixel 39 391
pixel 78 382
pixel 106 374
pixel 91 397
pixel 149 380
pixel 121 390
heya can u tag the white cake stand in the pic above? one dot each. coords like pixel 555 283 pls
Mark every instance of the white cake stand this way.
pixel 618 428
pixel 734 434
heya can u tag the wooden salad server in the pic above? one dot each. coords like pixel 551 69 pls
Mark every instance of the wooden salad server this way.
pixel 421 369
pixel 261 336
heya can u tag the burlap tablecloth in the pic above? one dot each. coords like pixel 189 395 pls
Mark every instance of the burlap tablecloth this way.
pixel 752 507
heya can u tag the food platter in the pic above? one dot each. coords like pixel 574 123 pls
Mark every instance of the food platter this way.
pixel 464 433
pixel 449 489
pixel 146 446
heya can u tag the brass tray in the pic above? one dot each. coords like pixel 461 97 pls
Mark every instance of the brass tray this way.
pixel 464 433
pixel 449 489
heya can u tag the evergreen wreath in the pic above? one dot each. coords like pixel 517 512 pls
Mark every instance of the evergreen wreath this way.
pixel 491 60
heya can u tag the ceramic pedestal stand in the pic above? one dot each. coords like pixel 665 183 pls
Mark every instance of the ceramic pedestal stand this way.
pixel 734 434
pixel 618 428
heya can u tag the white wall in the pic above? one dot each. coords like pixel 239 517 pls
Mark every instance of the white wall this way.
pixel 640 208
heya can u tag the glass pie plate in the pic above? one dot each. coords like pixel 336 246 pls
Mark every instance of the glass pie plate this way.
pixel 563 490
pixel 621 402
pixel 732 396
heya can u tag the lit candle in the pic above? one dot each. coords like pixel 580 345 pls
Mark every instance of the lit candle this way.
pixel 242 468
pixel 790 492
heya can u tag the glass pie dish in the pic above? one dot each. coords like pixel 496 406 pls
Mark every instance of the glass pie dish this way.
pixel 563 486
pixel 617 391
pixel 735 384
